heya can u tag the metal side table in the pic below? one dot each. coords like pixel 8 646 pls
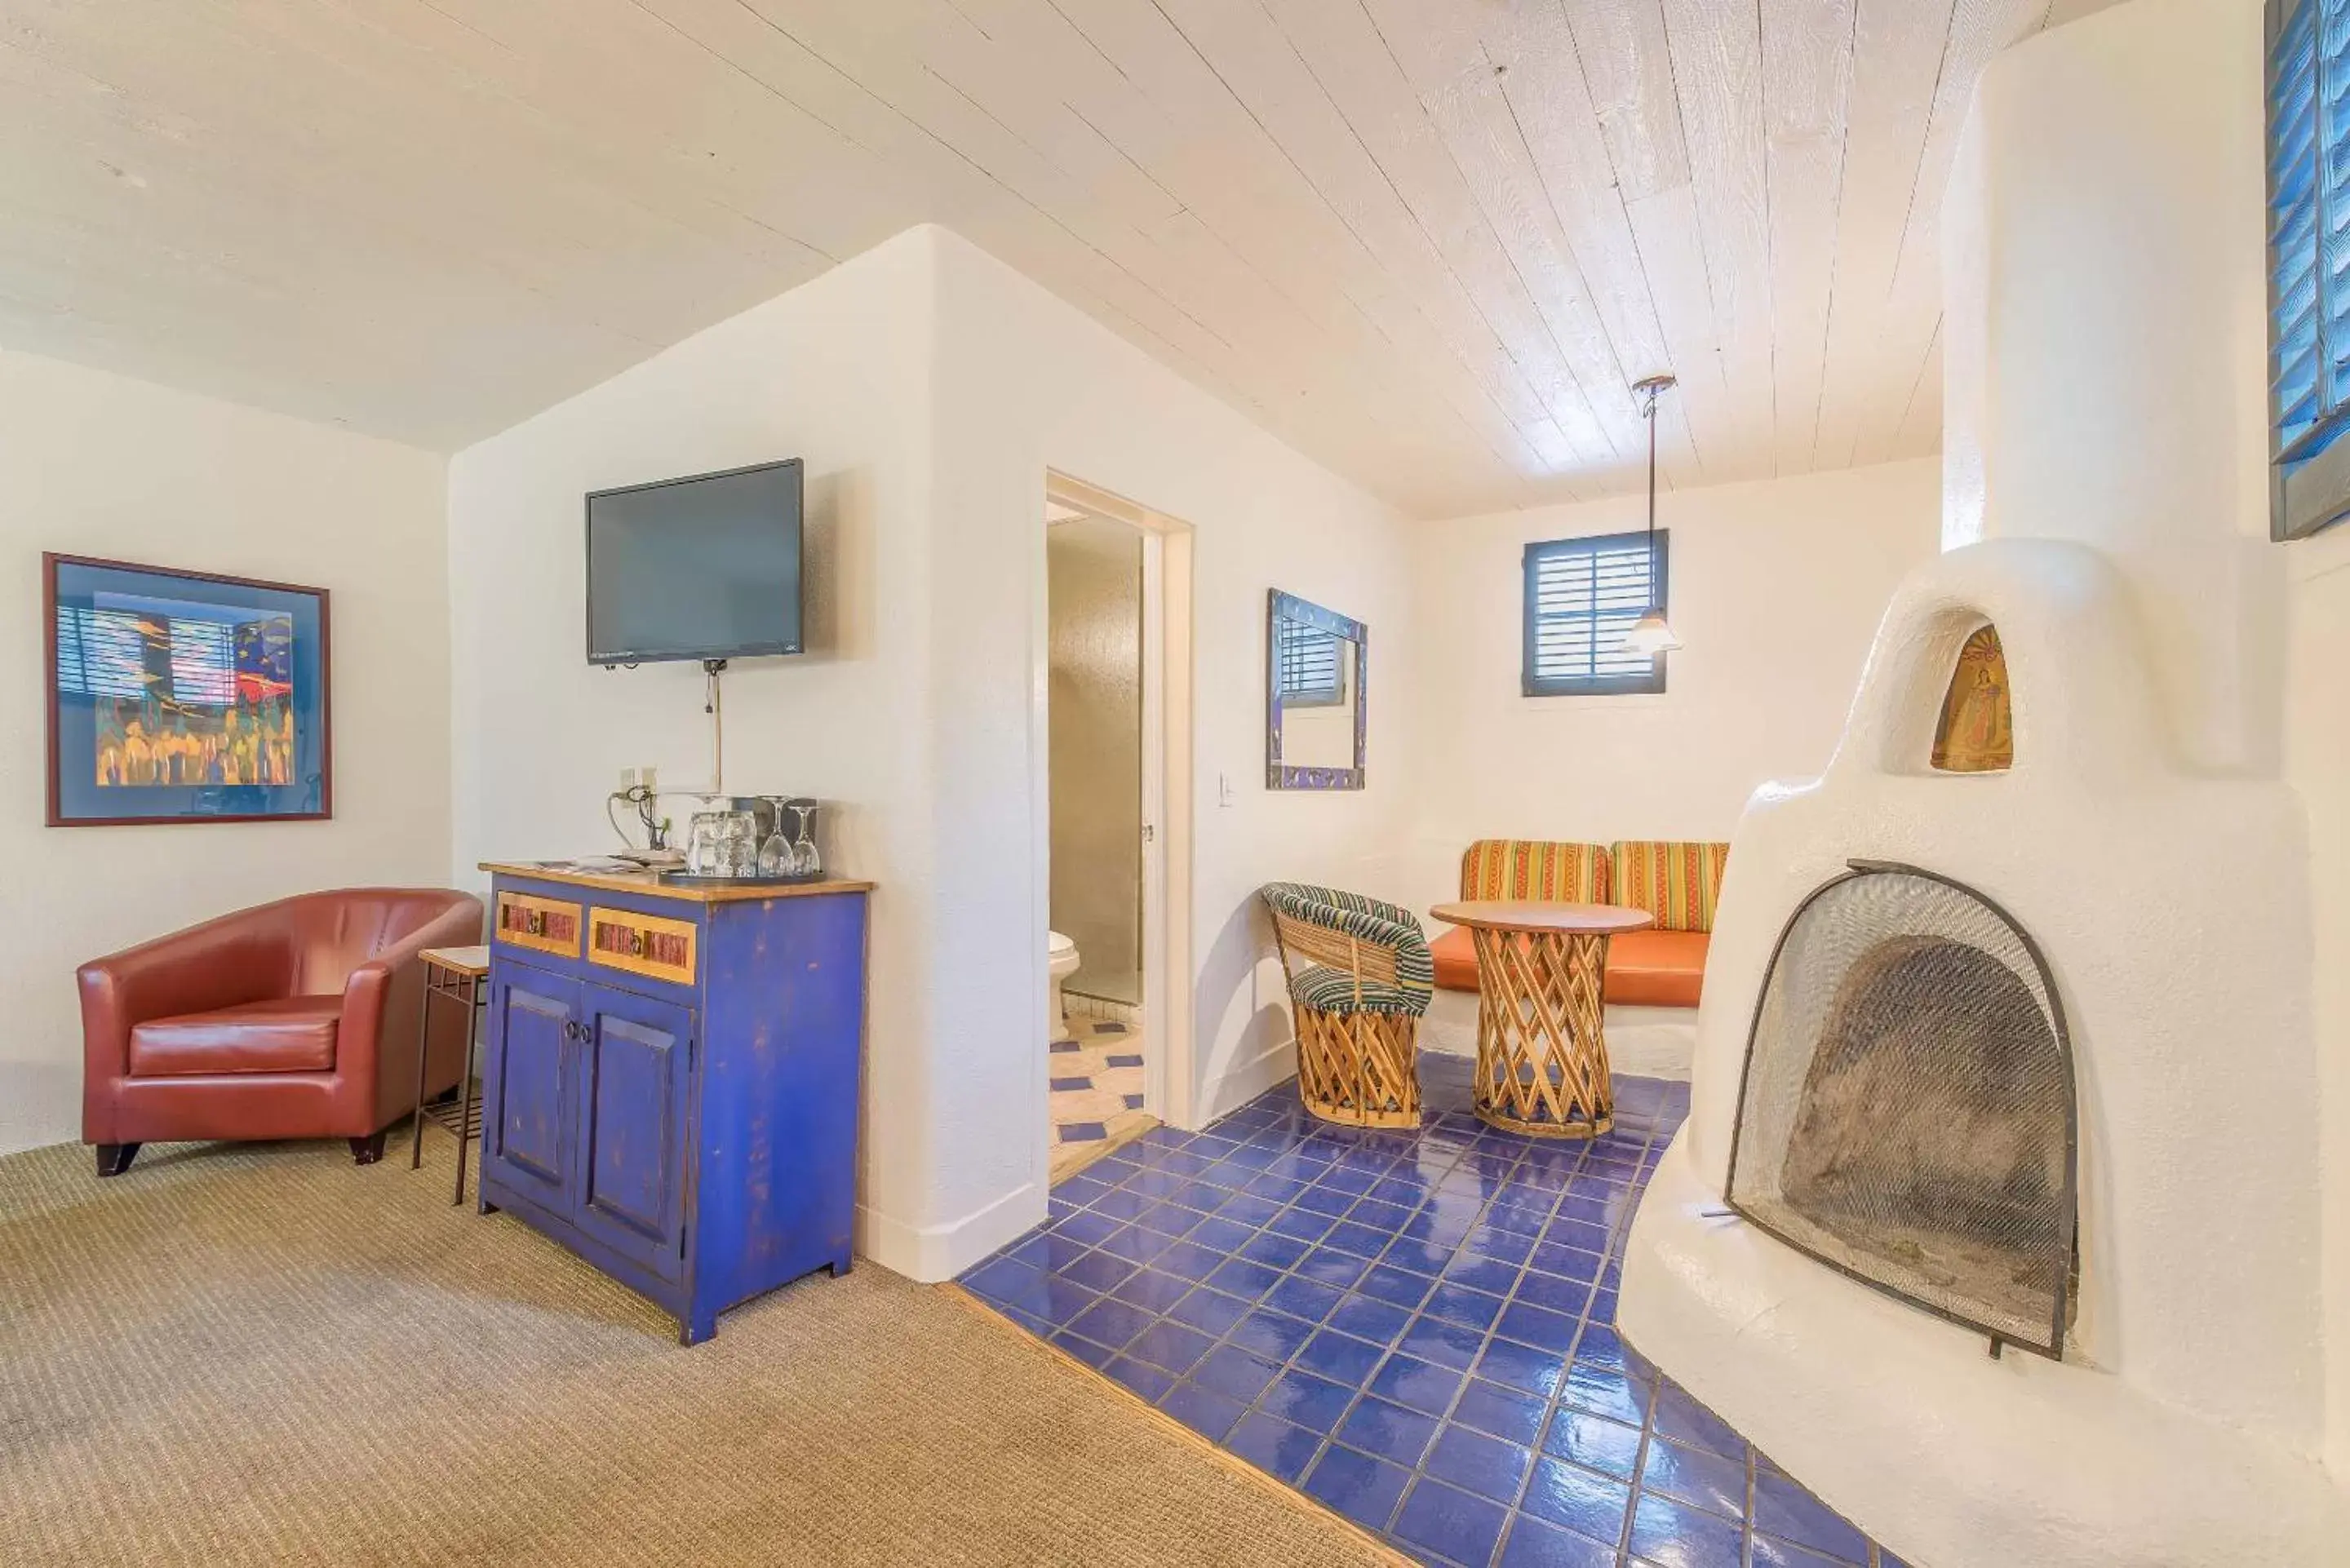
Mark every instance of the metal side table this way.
pixel 457 973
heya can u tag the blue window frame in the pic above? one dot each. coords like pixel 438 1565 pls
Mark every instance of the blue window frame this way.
pixel 1582 596
pixel 2309 261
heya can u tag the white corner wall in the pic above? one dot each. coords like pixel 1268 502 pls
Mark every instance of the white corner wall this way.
pixel 97 465
pixel 929 387
pixel 834 372
pixel 2317 754
pixel 1776 586
pixel 1025 383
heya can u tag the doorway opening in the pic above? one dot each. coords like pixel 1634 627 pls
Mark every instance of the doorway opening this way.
pixel 1116 692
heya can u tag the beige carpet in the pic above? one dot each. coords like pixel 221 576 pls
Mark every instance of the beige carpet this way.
pixel 266 1354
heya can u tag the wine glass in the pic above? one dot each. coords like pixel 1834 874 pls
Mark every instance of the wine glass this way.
pixel 804 860
pixel 775 853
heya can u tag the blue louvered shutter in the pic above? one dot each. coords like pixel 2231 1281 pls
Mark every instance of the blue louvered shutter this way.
pixel 2332 83
pixel 2309 257
pixel 1582 596
pixel 2295 223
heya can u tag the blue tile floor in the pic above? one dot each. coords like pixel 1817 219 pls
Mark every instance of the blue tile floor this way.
pixel 1415 1328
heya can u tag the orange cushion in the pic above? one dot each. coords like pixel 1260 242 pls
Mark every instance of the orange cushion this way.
pixel 1456 959
pixel 1655 969
pixel 288 1034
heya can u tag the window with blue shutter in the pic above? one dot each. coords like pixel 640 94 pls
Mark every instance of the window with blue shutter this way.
pixel 1582 596
pixel 2308 260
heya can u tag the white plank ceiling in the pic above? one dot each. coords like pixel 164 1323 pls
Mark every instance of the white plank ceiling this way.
pixel 1431 243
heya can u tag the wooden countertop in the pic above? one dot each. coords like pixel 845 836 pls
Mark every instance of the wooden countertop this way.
pixel 649 884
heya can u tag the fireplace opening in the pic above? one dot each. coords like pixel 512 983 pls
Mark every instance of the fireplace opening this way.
pixel 1907 1112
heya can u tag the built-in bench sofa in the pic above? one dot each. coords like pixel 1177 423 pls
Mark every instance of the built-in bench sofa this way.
pixel 1677 882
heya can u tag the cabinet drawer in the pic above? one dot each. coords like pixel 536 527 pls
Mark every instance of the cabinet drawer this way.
pixel 649 945
pixel 541 924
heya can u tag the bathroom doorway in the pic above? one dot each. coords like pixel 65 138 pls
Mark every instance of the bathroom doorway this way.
pixel 1117 671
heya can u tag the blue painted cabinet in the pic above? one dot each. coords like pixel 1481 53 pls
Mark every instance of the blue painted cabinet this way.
pixel 669 1083
pixel 528 1076
pixel 633 1126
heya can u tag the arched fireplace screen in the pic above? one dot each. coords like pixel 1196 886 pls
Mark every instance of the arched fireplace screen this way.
pixel 1907 1115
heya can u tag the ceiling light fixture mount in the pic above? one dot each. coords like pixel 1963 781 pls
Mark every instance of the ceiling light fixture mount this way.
pixel 1650 634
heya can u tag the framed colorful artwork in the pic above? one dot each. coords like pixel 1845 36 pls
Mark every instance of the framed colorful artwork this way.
pixel 184 697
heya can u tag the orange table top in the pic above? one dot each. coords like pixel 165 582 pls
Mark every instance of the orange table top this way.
pixel 1534 915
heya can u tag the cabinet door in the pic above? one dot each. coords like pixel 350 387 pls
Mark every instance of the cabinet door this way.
pixel 634 1115
pixel 528 1090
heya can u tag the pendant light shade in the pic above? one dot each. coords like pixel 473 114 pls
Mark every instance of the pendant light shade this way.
pixel 1651 633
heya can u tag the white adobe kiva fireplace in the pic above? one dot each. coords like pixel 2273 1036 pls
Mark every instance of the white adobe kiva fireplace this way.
pixel 1995 1216
pixel 2035 1066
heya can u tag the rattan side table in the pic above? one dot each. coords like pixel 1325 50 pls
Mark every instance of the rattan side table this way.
pixel 1542 1057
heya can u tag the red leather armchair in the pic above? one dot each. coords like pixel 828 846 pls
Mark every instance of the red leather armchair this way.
pixel 296 1019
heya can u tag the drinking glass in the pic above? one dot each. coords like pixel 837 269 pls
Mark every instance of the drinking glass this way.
pixel 804 861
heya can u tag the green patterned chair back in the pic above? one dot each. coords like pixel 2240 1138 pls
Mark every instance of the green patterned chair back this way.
pixel 1344 952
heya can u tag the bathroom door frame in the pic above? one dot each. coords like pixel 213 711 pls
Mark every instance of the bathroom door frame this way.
pixel 1168 1079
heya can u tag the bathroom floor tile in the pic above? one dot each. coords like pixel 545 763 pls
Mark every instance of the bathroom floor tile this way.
pixel 1416 1329
pixel 1096 1094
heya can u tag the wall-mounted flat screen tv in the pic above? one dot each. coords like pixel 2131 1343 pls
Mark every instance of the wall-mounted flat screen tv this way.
pixel 705 568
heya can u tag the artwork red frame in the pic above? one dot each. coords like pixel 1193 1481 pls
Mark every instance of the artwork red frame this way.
pixel 51 560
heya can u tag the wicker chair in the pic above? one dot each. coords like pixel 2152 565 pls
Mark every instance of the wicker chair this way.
pixel 1359 975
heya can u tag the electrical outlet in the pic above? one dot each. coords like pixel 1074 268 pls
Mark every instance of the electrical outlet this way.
pixel 628 780
pixel 649 778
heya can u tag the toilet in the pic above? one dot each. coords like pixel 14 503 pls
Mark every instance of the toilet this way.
pixel 1061 961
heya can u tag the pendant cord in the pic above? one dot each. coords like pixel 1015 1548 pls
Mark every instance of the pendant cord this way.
pixel 1653 392
pixel 713 704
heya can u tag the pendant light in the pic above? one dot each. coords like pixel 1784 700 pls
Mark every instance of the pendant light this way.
pixel 1650 634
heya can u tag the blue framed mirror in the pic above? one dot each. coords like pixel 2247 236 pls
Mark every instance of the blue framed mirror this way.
pixel 1314 712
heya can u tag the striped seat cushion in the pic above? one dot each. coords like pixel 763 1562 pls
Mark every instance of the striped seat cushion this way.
pixel 1535 868
pixel 1677 882
pixel 1327 990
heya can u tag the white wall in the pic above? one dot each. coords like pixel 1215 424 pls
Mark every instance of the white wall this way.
pixel 834 372
pixel 2317 754
pixel 1027 383
pixel 929 387
pixel 95 464
pixel 1776 586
